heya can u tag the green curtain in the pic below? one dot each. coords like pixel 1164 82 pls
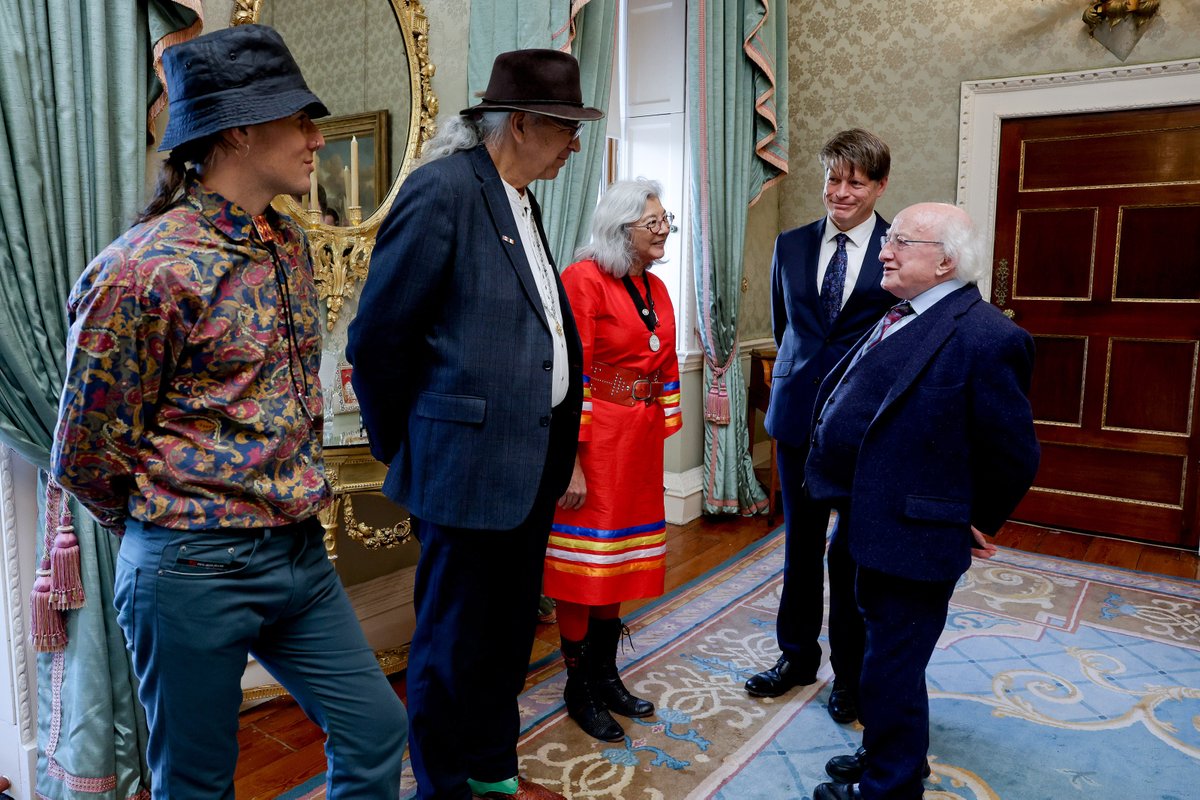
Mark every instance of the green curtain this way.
pixel 587 30
pixel 76 80
pixel 737 113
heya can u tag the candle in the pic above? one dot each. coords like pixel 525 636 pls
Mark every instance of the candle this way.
pixel 313 198
pixel 347 184
pixel 354 170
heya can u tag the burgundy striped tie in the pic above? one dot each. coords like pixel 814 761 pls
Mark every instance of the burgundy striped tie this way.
pixel 894 315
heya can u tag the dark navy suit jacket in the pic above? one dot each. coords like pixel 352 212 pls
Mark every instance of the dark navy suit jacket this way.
pixel 452 353
pixel 809 346
pixel 952 444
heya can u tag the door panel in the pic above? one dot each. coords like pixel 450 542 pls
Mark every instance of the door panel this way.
pixel 1097 255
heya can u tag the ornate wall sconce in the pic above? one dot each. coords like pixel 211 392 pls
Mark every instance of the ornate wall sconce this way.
pixel 1119 24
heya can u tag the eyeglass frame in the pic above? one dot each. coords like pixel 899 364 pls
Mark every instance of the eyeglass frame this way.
pixel 900 242
pixel 654 226
pixel 576 129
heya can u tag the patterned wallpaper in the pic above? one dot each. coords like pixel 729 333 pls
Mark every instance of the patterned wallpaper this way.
pixel 895 68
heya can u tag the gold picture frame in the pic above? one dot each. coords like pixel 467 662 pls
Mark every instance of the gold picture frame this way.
pixel 374 169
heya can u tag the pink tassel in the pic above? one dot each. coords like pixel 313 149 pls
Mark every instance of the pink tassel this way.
pixel 716 403
pixel 46 629
pixel 59 585
pixel 66 582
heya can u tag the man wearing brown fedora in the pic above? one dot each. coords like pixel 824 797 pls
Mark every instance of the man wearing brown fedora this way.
pixel 467 366
pixel 191 421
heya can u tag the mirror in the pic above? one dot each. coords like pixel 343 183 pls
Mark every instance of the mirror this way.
pixel 368 61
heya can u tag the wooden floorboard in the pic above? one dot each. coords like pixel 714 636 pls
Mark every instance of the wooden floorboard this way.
pixel 280 748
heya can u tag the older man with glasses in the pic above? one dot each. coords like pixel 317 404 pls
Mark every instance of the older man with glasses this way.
pixel 923 442
pixel 467 365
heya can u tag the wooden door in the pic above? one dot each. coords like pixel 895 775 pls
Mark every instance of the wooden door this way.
pixel 1097 255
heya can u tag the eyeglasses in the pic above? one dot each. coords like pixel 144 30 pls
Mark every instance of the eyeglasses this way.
pixel 899 242
pixel 575 130
pixel 655 225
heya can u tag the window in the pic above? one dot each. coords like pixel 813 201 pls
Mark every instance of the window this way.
pixel 647 117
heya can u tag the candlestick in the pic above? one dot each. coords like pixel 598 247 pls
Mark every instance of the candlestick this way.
pixel 353 170
pixel 313 197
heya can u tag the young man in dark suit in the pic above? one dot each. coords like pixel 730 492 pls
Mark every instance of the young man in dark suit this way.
pixel 923 442
pixel 467 366
pixel 825 294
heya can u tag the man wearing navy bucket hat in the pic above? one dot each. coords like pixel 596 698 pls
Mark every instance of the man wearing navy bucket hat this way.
pixel 191 421
pixel 467 366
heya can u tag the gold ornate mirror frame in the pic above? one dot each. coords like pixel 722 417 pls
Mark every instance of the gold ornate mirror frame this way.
pixel 340 254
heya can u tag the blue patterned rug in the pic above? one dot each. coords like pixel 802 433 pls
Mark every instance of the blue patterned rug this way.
pixel 1053 679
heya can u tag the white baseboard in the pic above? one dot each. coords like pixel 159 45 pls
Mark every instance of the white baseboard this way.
pixel 683 497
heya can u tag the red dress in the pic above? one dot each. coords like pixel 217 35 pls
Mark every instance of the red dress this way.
pixel 614 547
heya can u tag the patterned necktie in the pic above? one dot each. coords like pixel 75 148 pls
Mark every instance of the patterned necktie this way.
pixel 894 315
pixel 835 280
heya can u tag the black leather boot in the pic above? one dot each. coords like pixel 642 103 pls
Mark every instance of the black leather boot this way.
pixel 604 635
pixel 583 704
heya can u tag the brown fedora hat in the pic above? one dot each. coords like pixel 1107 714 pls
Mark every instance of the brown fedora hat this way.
pixel 539 81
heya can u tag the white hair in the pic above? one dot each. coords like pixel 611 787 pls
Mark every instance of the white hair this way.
pixel 963 243
pixel 457 133
pixel 611 245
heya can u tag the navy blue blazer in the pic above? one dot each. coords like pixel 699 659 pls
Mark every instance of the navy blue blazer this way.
pixel 952 444
pixel 452 353
pixel 809 347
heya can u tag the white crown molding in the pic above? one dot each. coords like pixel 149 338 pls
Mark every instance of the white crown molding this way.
pixel 985 104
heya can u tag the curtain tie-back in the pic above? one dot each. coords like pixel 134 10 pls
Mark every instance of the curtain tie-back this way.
pixel 59 583
pixel 716 403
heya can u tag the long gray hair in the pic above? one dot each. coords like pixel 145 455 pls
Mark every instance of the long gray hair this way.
pixel 611 245
pixel 456 133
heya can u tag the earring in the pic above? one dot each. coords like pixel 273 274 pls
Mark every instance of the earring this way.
pixel 246 151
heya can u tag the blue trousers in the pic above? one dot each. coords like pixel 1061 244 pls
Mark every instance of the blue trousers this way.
pixel 802 603
pixel 904 619
pixel 194 604
pixel 476 600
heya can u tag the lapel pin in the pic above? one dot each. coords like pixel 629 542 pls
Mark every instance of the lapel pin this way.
pixel 507 239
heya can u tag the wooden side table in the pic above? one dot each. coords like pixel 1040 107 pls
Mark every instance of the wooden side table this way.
pixel 758 398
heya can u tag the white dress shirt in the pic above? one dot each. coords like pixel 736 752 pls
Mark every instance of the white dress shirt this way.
pixel 539 265
pixel 857 242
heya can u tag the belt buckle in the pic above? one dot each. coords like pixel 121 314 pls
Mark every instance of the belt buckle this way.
pixel 649 389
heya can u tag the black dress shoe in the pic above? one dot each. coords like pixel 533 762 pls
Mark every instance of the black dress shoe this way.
pixel 837 791
pixel 778 679
pixel 849 769
pixel 843 704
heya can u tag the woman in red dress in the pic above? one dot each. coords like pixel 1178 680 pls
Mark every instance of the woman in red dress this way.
pixel 608 541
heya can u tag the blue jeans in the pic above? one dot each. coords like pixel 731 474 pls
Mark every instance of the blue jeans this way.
pixel 194 604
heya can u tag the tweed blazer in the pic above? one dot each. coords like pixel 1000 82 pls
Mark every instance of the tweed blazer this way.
pixel 809 347
pixel 951 446
pixel 453 355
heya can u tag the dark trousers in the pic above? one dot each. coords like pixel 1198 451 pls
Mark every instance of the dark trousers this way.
pixel 476 599
pixel 904 619
pixel 802 602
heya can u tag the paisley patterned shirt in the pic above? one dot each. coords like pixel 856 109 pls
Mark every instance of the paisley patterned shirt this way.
pixel 182 404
